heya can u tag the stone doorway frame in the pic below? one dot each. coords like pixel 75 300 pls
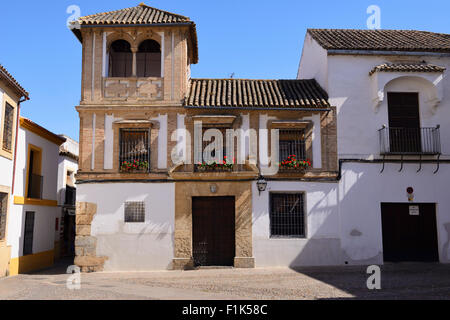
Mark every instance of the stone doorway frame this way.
pixel 184 191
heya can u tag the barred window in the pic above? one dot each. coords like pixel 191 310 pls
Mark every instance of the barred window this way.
pixel 292 142
pixel 134 150
pixel 3 212
pixel 8 127
pixel 287 217
pixel 134 211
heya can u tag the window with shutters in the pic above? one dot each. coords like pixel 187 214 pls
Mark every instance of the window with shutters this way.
pixel 120 59
pixel 134 152
pixel 287 217
pixel 148 59
pixel 3 214
pixel 134 212
pixel 8 125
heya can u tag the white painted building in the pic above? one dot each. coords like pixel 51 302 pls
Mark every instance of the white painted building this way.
pixel 67 169
pixel 357 216
pixel 11 96
pixel 32 228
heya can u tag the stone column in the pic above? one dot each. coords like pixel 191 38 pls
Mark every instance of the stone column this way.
pixel 134 70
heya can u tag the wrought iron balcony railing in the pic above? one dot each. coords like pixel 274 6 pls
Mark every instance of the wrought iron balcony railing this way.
pixel 71 194
pixel 35 186
pixel 410 141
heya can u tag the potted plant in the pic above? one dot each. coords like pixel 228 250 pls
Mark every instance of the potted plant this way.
pixel 134 166
pixel 212 166
pixel 294 164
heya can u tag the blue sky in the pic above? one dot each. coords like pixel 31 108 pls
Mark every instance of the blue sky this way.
pixel 252 39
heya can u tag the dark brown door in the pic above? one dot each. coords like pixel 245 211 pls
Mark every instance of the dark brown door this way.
pixel 409 237
pixel 404 122
pixel 213 222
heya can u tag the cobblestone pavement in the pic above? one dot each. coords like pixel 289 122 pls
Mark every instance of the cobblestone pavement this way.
pixel 398 281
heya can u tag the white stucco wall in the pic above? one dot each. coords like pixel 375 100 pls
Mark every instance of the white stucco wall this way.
pixel 49 170
pixel 132 246
pixel 44 223
pixel 43 232
pixel 358 121
pixel 321 245
pixel 313 62
pixel 344 219
pixel 363 188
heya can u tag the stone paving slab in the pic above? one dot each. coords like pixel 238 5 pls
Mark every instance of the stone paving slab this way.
pixel 398 281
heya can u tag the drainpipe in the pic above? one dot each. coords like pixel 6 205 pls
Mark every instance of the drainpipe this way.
pixel 15 143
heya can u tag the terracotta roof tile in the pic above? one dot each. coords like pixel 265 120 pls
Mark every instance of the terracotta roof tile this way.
pixel 256 93
pixel 381 40
pixel 140 15
pixel 13 82
pixel 405 67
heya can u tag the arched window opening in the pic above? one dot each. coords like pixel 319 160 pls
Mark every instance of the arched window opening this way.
pixel 121 59
pixel 149 59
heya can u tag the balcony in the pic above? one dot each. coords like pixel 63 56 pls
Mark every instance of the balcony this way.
pixel 35 186
pixel 410 141
pixel 71 194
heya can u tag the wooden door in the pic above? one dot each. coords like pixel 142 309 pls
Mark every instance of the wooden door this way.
pixel 409 237
pixel 404 122
pixel 213 234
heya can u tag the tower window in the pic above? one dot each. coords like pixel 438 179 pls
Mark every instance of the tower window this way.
pixel 149 59
pixel 121 59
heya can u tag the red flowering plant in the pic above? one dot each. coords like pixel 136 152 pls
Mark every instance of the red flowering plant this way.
pixel 292 163
pixel 225 165
pixel 135 165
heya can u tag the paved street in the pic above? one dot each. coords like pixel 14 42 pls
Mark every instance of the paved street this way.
pixel 398 281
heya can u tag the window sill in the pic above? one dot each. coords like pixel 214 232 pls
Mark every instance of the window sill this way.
pixel 288 238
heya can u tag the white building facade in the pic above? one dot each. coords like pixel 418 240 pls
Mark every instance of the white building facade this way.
pixel 11 96
pixel 34 222
pixel 391 201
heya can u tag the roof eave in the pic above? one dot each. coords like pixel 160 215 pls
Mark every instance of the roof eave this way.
pixel 333 52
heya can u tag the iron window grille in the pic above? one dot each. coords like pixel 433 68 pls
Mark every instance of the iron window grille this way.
pixel 134 147
pixel 8 127
pixel 3 212
pixel 292 142
pixel 287 218
pixel 134 212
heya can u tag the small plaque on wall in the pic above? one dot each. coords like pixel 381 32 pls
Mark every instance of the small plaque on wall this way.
pixel 414 210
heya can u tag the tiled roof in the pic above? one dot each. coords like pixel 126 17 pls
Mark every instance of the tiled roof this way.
pixel 140 15
pixel 256 93
pixel 381 40
pixel 405 67
pixel 13 82
pixel 41 131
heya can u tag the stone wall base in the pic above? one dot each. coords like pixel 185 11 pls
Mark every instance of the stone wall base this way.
pixel 85 244
pixel 182 264
pixel 244 262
